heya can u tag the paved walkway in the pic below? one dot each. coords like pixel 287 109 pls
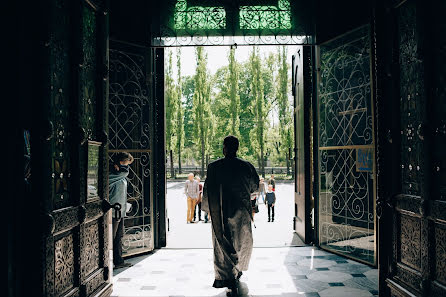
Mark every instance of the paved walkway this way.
pixel 288 271
pixel 277 234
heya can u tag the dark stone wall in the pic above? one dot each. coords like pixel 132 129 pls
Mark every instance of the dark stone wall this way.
pixel 333 18
pixel 130 20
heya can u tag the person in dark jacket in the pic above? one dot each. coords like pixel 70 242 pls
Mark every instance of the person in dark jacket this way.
pixel 270 201
pixel 227 194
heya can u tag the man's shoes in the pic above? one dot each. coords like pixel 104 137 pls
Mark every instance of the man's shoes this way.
pixel 269 220
pixel 122 265
pixel 272 220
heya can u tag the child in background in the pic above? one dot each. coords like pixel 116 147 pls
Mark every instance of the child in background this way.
pixel 270 201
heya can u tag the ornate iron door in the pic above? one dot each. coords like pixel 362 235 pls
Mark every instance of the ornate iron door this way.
pixel 130 131
pixel 72 162
pixel 302 96
pixel 414 202
pixel 346 147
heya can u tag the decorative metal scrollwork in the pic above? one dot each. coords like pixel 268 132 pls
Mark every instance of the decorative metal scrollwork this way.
pixel 346 208
pixel 129 129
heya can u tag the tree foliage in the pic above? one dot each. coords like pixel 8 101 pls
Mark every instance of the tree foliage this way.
pixel 170 100
pixel 179 110
pixel 203 119
pixel 249 100
pixel 259 109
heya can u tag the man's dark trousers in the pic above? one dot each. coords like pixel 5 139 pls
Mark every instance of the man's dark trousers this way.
pixel 199 211
pixel 118 232
pixel 270 209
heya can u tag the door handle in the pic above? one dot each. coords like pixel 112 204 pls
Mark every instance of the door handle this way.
pixel 106 206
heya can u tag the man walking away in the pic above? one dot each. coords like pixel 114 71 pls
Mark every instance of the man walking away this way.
pixel 227 189
pixel 191 191
pixel 119 170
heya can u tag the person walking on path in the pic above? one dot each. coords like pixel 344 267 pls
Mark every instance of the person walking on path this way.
pixel 270 202
pixel 191 190
pixel 272 182
pixel 226 197
pixel 200 192
pixel 261 190
pixel 117 179
pixel 254 204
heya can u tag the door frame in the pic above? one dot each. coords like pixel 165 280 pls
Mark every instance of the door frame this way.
pixel 302 90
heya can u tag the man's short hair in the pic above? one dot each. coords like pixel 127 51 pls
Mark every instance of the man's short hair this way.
pixel 231 144
pixel 122 156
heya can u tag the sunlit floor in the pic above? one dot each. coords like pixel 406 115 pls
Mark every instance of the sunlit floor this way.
pixel 288 271
pixel 280 266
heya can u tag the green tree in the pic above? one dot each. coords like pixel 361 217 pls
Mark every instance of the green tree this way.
pixel 284 108
pixel 179 115
pixel 258 133
pixel 203 120
pixel 246 112
pixel 170 101
pixel 219 109
pixel 232 82
pixel 188 90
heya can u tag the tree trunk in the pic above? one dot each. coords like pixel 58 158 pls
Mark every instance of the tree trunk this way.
pixel 172 170
pixel 202 156
pixel 287 163
pixel 179 160
pixel 262 162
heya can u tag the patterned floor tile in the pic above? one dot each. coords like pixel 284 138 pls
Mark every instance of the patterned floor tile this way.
pixel 189 272
pixel 344 292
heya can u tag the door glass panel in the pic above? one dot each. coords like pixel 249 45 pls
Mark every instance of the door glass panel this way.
pixel 93 170
pixel 346 147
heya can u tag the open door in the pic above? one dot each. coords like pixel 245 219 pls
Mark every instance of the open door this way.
pixel 69 156
pixel 129 128
pixel 301 88
pixel 346 144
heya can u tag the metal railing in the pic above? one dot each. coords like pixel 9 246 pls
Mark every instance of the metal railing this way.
pixel 279 172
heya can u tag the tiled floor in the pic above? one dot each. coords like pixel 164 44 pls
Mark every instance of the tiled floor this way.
pixel 287 271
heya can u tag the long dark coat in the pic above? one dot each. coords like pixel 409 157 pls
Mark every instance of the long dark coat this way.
pixel 227 189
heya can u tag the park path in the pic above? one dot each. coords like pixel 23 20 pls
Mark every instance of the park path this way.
pixel 275 234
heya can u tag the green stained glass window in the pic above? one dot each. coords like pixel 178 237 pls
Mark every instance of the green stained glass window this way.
pixel 214 17
pixel 266 17
pixel 198 17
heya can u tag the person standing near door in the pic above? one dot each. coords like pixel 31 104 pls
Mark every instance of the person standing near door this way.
pixel 119 170
pixel 226 196
pixel 191 190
